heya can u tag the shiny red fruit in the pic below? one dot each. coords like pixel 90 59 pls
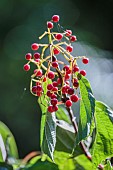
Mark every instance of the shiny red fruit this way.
pixel 70 91
pixel 51 75
pixel 26 67
pixel 49 25
pixel 83 72
pixel 55 64
pixel 49 86
pixel 68 103
pixel 56 51
pixel 55 18
pixel 68 33
pixel 28 56
pixel 69 48
pixel 85 60
pixel 59 36
pixel 36 55
pixel 34 46
pixel 54 101
pixel 73 38
pixel 74 98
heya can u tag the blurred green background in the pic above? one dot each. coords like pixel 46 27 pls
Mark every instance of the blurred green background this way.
pixel 21 22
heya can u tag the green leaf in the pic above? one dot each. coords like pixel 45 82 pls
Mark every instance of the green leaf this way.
pixel 49 137
pixel 64 161
pixel 103 145
pixel 87 108
pixel 9 141
pixel 4 166
pixel 65 139
pixel 62 114
pixel 83 163
pixel 43 102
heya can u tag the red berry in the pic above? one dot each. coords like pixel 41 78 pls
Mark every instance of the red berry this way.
pixel 69 48
pixel 50 25
pixel 56 51
pixel 49 86
pixel 55 18
pixel 38 72
pixel 38 83
pixel 36 55
pixel 51 75
pixel 28 56
pixel 66 68
pixel 26 67
pixel 59 81
pixel 50 109
pixel 38 93
pixel 39 88
pixel 73 38
pixel 68 103
pixel 55 64
pixel 59 36
pixel 53 96
pixel 74 98
pixel 65 89
pixel 75 69
pixel 44 79
pixel 69 71
pixel 85 60
pixel 83 72
pixel 68 33
pixel 76 84
pixel 34 46
pixel 34 89
pixel 67 76
pixel 54 101
pixel 55 84
pixel 49 94
pixel 55 89
pixel 70 91
pixel 55 108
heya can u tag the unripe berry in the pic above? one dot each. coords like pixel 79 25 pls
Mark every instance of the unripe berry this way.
pixel 73 38
pixel 28 56
pixel 34 46
pixel 68 103
pixel 59 36
pixel 69 48
pixel 55 18
pixel 55 64
pixel 56 51
pixel 70 91
pixel 49 86
pixel 54 101
pixel 26 67
pixel 83 72
pixel 68 33
pixel 74 98
pixel 51 75
pixel 49 25
pixel 36 55
pixel 85 60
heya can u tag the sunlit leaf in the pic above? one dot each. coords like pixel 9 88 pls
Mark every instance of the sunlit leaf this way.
pixel 87 108
pixel 103 145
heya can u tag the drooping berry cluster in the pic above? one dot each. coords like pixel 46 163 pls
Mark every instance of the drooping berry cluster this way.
pixel 64 82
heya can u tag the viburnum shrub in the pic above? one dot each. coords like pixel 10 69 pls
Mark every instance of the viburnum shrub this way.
pixel 72 138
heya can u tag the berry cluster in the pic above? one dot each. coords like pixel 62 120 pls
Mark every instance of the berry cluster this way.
pixel 64 82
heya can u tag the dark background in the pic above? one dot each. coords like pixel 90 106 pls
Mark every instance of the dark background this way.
pixel 21 22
